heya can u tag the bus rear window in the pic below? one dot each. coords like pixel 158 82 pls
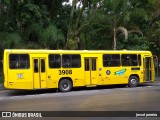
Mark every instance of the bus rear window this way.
pixel 19 61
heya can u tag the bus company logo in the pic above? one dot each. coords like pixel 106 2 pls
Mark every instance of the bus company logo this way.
pixel 108 72
pixel 120 72
pixel 6 114
pixel 20 75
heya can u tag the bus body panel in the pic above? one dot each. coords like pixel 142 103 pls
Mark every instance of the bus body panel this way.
pixel 17 78
pixel 91 71
pixel 153 69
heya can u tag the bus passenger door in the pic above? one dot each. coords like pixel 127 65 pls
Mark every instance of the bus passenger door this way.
pixel 90 71
pixel 147 69
pixel 39 76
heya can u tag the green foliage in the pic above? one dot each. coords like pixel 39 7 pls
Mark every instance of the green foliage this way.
pixel 76 24
pixel 72 44
pixel 10 40
pixel 1 79
pixel 51 37
pixel 49 24
pixel 98 36
pixel 31 12
pixel 135 42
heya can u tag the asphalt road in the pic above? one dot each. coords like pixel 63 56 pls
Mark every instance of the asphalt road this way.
pixel 109 98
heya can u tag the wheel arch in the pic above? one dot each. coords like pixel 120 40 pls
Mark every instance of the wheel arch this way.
pixel 136 75
pixel 133 80
pixel 68 78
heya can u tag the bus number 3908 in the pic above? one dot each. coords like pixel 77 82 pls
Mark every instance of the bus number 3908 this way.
pixel 65 72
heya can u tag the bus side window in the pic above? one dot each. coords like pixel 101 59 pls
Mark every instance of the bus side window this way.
pixel 134 60
pixel 71 61
pixel 111 60
pixel 54 60
pixel 129 59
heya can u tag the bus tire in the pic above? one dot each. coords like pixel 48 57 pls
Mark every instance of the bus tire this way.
pixel 133 81
pixel 65 85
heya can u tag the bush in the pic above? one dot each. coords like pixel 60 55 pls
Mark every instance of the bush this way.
pixel 1 79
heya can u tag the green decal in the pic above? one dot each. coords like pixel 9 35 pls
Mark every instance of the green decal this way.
pixel 120 72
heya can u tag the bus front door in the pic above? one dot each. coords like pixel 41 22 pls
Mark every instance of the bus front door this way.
pixel 147 69
pixel 90 71
pixel 39 75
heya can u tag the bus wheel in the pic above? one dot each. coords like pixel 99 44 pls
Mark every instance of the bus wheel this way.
pixel 65 85
pixel 133 81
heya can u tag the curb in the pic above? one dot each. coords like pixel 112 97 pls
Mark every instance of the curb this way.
pixel 157 81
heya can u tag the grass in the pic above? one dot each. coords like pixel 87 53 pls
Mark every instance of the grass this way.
pixel 1 78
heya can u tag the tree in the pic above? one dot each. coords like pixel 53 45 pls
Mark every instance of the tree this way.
pixel 76 24
pixel 51 38
pixel 10 41
pixel 116 14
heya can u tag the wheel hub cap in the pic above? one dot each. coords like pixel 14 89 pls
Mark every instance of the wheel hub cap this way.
pixel 133 81
pixel 65 86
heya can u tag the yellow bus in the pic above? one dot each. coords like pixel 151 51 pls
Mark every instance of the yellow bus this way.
pixel 65 69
